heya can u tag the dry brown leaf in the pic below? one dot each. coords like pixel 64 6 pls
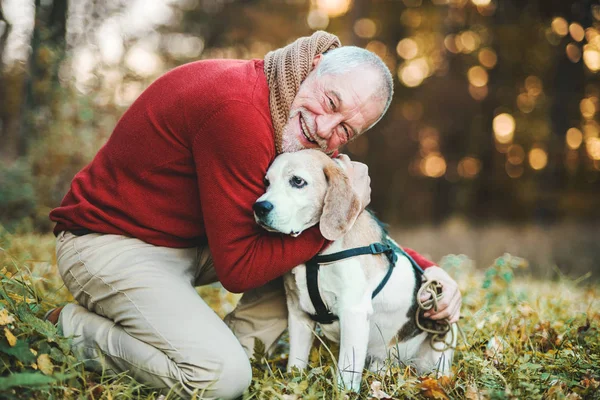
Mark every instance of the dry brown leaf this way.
pixel 12 340
pixel 431 389
pixel 45 364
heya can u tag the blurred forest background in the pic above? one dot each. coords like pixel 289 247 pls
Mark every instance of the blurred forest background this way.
pixel 492 143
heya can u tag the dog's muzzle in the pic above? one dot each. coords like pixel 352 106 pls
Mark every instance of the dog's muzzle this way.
pixel 262 209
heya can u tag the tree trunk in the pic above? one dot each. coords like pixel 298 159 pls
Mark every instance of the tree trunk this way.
pixel 48 51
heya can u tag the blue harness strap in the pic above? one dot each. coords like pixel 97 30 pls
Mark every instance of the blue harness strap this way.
pixel 323 315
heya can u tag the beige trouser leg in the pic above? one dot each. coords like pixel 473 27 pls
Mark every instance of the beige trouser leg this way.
pixel 140 313
pixel 260 314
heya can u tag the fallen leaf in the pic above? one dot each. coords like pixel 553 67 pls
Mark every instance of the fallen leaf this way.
pixel 45 364
pixel 431 389
pixel 12 340
pixel 377 393
pixel 5 317
pixel 474 393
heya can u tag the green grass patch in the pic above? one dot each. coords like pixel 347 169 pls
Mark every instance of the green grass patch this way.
pixel 526 339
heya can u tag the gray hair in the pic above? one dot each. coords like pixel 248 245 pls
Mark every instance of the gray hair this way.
pixel 347 58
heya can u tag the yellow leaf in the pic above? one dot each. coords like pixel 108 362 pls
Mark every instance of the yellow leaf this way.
pixel 5 317
pixel 34 366
pixel 33 352
pixel 45 364
pixel 16 297
pixel 431 389
pixel 12 340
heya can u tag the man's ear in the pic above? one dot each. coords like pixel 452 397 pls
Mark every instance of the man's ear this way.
pixel 316 60
pixel 342 205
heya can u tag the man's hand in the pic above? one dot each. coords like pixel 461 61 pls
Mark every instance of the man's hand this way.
pixel 359 178
pixel 449 305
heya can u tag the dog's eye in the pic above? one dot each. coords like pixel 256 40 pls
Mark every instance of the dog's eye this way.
pixel 297 182
pixel 266 182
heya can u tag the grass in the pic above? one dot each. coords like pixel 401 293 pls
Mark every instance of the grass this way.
pixel 526 339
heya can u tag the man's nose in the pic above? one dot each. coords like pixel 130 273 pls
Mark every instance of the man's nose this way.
pixel 262 208
pixel 326 124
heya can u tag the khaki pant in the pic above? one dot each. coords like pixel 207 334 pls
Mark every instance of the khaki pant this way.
pixel 139 312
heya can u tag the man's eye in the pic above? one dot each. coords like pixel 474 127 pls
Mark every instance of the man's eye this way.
pixel 346 131
pixel 266 182
pixel 297 182
pixel 331 103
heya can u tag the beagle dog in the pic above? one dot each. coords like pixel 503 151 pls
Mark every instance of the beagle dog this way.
pixel 306 188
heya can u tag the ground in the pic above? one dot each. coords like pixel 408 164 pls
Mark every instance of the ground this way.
pixel 525 339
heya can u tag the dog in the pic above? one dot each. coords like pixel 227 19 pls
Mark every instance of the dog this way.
pixel 306 188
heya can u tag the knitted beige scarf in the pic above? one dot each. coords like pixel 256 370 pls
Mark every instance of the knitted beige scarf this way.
pixel 286 68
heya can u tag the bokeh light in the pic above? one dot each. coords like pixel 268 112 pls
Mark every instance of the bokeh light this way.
pixel 515 154
pixel 407 48
pixel 577 32
pixel 334 8
pixel 525 103
pixel 411 18
pixel 413 72
pixel 488 58
pixel 591 58
pixel 468 41
pixel 365 28
pixel 477 76
pixel 592 145
pixel 560 26
pixel 469 167
pixel 504 128
pixel 514 171
pixel 573 52
pixel 533 85
pixel 574 138
pixel 481 2
pixel 587 108
pixel 317 19
pixel 538 158
pixel 433 166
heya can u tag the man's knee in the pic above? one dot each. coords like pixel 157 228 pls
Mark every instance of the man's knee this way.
pixel 225 377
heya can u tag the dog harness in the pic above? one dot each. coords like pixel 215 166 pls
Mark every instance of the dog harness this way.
pixel 323 315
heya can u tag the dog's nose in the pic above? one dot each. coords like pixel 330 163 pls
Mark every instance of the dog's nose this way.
pixel 262 208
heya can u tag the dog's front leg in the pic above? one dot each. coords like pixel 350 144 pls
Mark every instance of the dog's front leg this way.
pixel 354 331
pixel 300 328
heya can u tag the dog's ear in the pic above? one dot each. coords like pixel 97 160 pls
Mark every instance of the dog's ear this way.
pixel 342 205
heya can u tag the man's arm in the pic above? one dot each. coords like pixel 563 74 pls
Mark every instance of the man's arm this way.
pixel 232 153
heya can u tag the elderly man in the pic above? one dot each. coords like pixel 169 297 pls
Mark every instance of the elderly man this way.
pixel 166 205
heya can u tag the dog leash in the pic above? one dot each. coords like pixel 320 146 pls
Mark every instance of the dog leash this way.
pixel 439 329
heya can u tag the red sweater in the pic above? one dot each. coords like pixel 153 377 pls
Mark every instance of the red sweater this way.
pixel 183 167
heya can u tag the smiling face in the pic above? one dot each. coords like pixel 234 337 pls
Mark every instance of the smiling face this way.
pixel 331 109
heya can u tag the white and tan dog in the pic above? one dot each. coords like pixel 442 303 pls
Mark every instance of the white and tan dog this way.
pixel 306 188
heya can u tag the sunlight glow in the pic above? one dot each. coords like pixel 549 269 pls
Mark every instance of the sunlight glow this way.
pixel 334 8
pixel 477 76
pixel 433 166
pixel 487 57
pixel 560 26
pixel 504 128
pixel 538 158
pixel 407 48
pixel 574 138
